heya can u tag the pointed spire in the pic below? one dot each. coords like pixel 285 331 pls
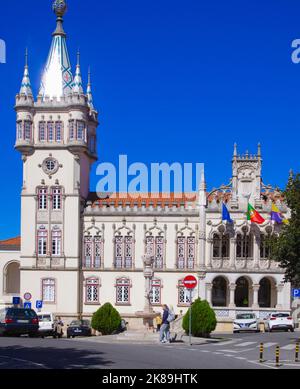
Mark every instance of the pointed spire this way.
pixel 235 150
pixel 26 85
pixel 89 92
pixel 77 85
pixel 202 186
pixel 259 150
pixel 57 79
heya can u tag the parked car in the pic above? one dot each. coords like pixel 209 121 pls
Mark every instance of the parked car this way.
pixel 50 325
pixel 246 322
pixel 18 321
pixel 79 328
pixel 279 321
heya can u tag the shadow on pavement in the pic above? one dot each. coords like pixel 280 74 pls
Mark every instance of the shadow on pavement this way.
pixel 17 357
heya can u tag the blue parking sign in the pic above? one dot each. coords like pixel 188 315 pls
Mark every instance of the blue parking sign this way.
pixel 296 293
pixel 27 305
pixel 39 304
pixel 16 300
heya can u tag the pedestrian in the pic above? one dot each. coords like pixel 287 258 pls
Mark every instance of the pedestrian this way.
pixel 164 335
pixel 158 322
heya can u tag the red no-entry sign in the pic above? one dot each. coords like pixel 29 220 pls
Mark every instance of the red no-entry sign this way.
pixel 190 282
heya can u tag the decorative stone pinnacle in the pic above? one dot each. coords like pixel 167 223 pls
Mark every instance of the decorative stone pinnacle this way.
pixel 59 7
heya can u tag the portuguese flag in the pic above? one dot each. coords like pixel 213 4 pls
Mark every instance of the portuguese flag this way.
pixel 254 216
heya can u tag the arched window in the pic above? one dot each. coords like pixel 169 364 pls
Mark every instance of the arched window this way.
pixel 264 247
pixel 186 252
pixel 12 278
pixel 123 252
pixel 264 293
pixel 221 244
pixel 93 252
pixel 242 292
pixel 183 294
pixel 155 293
pixel 92 290
pixel 49 290
pixel 56 242
pixel 155 248
pixel 42 236
pixel 42 132
pixel 123 286
pixel 219 292
pixel 244 246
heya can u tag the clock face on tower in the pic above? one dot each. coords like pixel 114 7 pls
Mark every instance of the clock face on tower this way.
pixel 50 166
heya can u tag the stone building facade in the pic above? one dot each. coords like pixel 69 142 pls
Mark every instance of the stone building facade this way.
pixel 78 251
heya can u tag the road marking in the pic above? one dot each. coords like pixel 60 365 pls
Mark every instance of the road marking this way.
pixel 241 358
pixel 229 351
pixel 225 342
pixel 25 360
pixel 267 345
pixel 288 347
pixel 217 353
pixel 263 364
pixel 245 344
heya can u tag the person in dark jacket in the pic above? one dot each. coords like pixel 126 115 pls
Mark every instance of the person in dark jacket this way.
pixel 164 334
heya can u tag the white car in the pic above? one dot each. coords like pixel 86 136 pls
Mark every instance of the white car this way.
pixel 49 325
pixel 279 321
pixel 246 322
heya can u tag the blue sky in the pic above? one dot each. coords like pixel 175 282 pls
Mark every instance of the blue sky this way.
pixel 173 81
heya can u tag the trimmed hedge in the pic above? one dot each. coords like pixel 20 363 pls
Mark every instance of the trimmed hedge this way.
pixel 106 320
pixel 203 319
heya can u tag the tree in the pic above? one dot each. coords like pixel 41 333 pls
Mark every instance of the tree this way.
pixel 106 320
pixel 203 319
pixel 285 248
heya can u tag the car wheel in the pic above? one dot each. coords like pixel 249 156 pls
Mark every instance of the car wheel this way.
pixel 32 335
pixel 292 329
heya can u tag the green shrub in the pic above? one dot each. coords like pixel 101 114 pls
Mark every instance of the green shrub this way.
pixel 203 319
pixel 106 320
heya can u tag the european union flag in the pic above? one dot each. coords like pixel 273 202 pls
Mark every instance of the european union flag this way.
pixel 226 214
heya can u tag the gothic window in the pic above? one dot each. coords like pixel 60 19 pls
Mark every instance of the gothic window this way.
pixel 42 198
pixel 27 130
pixel 123 252
pixel 93 144
pixel 186 252
pixel 183 294
pixel 155 293
pixel 58 131
pixel 50 128
pixel 19 130
pixel 264 247
pixel 56 242
pixel 42 132
pixel 155 248
pixel 93 249
pixel 42 241
pixel 80 130
pixel 92 290
pixel 71 130
pixel 48 290
pixel 56 199
pixel 244 246
pixel 123 291
pixel 221 246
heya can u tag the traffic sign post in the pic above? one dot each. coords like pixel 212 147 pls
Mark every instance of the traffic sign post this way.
pixel 190 283
pixel 16 300
pixel 27 296
pixel 27 305
pixel 296 293
pixel 39 305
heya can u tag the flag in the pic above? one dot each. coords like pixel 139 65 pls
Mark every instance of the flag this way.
pixel 254 216
pixel 226 215
pixel 276 215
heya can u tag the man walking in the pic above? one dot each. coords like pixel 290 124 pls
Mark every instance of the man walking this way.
pixel 164 335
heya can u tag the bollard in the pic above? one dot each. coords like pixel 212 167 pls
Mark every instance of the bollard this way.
pixel 297 352
pixel 261 353
pixel 277 356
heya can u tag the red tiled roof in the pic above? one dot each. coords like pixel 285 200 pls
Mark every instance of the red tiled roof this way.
pixel 11 244
pixel 139 200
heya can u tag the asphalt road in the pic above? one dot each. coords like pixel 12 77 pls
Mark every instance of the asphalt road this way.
pixel 240 351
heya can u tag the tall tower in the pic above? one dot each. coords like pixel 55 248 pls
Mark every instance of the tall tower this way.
pixel 246 178
pixel 56 135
